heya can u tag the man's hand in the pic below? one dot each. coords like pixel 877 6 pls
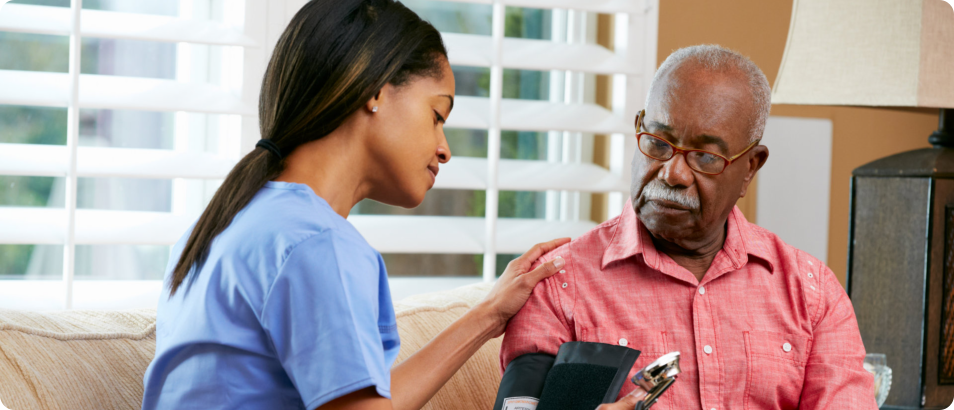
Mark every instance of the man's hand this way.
pixel 513 288
pixel 626 403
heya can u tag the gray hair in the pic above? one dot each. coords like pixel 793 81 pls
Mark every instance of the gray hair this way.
pixel 713 57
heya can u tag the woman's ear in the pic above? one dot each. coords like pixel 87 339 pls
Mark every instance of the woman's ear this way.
pixel 374 104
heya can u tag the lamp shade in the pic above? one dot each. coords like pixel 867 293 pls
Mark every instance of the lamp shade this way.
pixel 869 53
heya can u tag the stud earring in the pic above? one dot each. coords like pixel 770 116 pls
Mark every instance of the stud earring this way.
pixel 374 109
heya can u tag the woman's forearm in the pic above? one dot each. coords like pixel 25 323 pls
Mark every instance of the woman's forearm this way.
pixel 417 379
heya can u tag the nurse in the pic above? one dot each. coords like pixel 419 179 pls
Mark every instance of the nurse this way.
pixel 273 300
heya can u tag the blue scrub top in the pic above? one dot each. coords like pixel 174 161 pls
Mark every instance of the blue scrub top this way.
pixel 290 310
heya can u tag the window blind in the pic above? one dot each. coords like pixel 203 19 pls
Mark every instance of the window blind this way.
pixel 73 90
pixel 252 28
pixel 631 63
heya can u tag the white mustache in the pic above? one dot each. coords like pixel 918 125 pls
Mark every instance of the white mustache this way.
pixel 657 190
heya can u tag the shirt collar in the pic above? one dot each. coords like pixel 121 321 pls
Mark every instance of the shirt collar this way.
pixel 626 240
pixel 632 238
pixel 748 239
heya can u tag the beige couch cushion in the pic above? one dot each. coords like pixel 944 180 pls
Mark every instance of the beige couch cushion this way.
pixel 75 359
pixel 95 360
pixel 422 317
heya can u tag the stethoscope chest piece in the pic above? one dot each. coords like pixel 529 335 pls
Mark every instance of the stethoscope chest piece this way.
pixel 657 377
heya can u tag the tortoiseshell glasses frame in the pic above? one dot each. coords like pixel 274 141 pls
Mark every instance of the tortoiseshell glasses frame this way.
pixel 702 161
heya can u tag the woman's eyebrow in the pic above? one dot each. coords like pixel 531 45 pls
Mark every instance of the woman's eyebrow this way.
pixel 451 98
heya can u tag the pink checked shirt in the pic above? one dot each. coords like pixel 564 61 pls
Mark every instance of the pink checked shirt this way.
pixel 769 326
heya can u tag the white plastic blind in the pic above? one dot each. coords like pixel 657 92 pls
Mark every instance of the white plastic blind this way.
pixel 70 226
pixel 253 29
pixel 631 63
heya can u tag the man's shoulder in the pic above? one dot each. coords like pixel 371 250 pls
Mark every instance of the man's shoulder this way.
pixel 586 247
pixel 767 245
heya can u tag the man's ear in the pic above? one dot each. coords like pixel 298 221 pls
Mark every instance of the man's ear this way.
pixel 760 154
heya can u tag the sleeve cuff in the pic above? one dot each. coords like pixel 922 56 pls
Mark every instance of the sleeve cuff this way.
pixel 346 390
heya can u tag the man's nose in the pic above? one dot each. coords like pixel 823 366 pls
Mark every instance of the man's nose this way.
pixel 676 172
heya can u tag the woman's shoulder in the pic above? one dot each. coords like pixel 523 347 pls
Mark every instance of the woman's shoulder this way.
pixel 280 225
pixel 285 215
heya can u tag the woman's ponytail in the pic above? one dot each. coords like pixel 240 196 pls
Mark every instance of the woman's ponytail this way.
pixel 243 182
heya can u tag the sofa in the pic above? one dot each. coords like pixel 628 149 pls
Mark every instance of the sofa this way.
pixel 95 360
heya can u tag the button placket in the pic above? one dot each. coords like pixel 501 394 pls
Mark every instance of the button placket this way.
pixel 705 338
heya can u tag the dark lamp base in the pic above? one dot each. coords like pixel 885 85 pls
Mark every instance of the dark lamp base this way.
pixel 901 268
pixel 944 136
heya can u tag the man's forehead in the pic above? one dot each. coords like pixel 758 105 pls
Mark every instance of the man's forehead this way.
pixel 706 109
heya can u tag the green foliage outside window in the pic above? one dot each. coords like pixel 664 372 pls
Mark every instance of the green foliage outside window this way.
pixel 27 125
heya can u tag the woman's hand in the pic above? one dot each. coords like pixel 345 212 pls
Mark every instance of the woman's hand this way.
pixel 628 402
pixel 513 287
pixel 417 379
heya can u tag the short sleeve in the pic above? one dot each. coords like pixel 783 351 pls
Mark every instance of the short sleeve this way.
pixel 539 327
pixel 834 375
pixel 321 315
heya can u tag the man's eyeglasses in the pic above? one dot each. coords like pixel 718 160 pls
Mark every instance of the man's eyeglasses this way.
pixel 706 162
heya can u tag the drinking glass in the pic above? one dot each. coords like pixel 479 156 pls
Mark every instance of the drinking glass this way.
pixel 876 363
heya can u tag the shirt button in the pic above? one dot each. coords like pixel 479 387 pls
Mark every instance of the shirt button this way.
pixel 702 290
pixel 564 285
pixel 787 347
pixel 810 263
pixel 623 342
pixel 810 275
pixel 707 349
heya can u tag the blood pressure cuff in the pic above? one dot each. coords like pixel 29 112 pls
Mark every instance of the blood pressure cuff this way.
pixel 582 376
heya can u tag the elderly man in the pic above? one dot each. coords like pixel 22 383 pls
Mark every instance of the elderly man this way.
pixel 759 323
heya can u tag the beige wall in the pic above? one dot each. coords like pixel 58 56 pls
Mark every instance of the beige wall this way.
pixel 758 29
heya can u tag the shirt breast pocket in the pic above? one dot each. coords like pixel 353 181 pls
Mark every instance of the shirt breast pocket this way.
pixel 775 369
pixel 651 345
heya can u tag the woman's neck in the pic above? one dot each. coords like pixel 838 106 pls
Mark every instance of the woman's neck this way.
pixel 333 166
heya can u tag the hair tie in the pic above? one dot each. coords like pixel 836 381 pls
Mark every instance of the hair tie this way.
pixel 270 146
